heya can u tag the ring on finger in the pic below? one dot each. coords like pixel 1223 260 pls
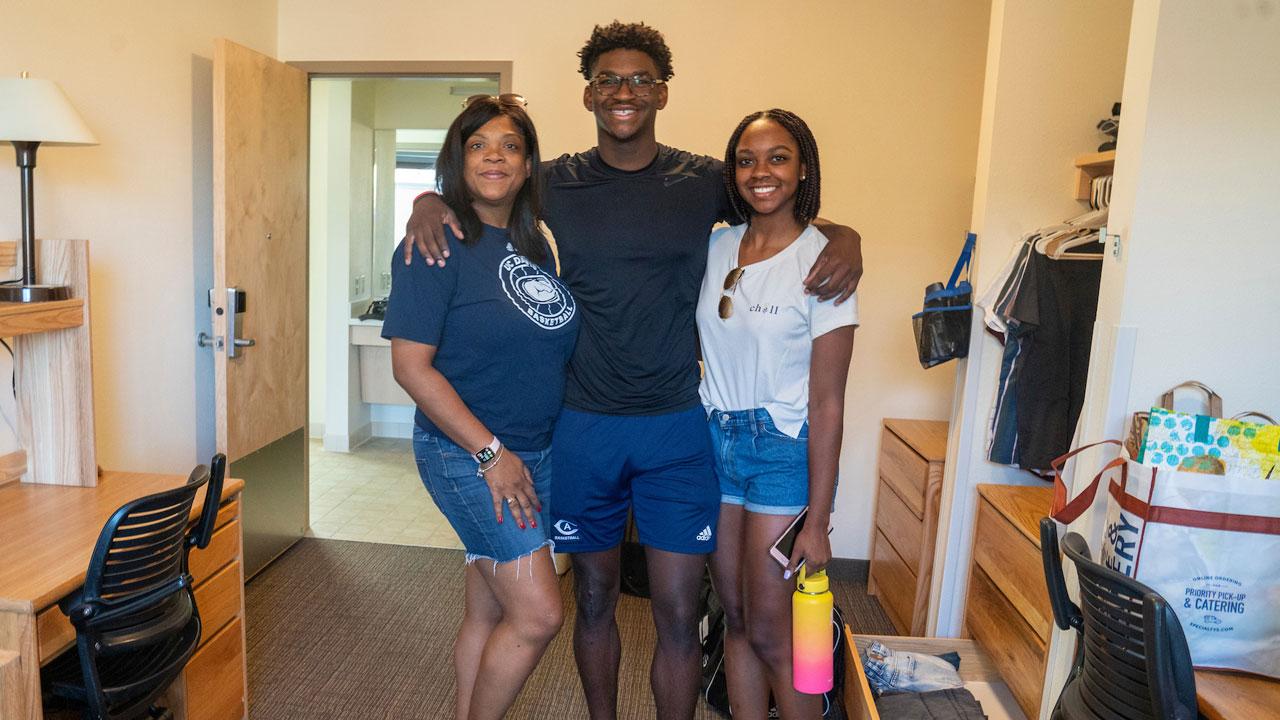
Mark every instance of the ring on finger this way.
pixel 511 501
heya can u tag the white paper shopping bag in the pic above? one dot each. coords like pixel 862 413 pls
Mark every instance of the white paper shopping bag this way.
pixel 1209 544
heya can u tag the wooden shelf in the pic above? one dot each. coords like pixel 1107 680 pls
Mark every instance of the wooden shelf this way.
pixel 26 318
pixel 1090 166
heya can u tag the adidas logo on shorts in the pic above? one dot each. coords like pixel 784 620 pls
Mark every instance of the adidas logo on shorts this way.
pixel 705 535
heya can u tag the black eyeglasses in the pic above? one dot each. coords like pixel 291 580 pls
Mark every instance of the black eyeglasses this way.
pixel 609 84
pixel 509 99
pixel 730 284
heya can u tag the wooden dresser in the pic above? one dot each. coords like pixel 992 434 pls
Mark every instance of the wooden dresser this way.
pixel 906 519
pixel 1008 612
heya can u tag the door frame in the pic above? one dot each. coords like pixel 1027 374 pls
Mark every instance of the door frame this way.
pixel 407 68
pixel 363 69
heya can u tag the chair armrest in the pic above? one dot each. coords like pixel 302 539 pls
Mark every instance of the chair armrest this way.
pixel 1066 614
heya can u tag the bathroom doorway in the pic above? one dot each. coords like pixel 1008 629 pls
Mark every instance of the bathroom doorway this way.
pixel 374 143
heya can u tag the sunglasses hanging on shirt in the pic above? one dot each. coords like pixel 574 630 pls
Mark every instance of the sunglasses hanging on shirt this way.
pixel 730 284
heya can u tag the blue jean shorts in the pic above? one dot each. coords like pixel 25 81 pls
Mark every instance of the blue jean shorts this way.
pixel 759 466
pixel 453 479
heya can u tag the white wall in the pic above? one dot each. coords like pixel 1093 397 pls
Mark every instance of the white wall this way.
pixel 416 104
pixel 318 258
pixel 140 74
pixel 891 90
pixel 385 232
pixel 341 201
pixel 360 240
pixel 1053 70
pixel 1193 293
pixel 1199 265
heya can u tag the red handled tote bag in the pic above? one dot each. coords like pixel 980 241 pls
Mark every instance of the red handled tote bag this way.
pixel 1210 544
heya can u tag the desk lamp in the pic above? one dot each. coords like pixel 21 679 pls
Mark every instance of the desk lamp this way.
pixel 34 112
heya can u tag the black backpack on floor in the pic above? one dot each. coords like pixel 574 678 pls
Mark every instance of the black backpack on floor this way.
pixel 714 685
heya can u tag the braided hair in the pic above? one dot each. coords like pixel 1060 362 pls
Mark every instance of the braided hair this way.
pixel 626 36
pixel 808 196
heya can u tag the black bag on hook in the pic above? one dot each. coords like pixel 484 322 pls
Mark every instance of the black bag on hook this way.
pixel 942 327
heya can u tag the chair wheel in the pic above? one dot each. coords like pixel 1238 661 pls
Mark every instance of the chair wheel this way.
pixel 159 713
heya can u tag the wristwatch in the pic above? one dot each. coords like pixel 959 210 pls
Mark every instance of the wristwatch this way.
pixel 488 452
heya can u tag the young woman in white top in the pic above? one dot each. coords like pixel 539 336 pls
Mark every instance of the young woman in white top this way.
pixel 776 365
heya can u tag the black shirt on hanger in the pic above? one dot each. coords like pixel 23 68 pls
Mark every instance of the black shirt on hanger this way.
pixel 1056 306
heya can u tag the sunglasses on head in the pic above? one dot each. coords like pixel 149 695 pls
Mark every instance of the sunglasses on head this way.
pixel 508 99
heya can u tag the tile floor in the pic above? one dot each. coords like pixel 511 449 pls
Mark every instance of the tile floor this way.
pixel 373 494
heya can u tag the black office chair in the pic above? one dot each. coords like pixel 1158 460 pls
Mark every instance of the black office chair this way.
pixel 136 619
pixel 1131 660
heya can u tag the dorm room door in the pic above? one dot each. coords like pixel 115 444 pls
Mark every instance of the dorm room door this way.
pixel 259 299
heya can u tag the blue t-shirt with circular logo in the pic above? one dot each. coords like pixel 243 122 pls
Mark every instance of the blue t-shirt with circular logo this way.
pixel 504 328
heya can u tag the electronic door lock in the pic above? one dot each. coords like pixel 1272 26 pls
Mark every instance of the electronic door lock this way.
pixel 235 305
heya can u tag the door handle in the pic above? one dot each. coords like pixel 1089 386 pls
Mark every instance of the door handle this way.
pixel 204 340
pixel 233 308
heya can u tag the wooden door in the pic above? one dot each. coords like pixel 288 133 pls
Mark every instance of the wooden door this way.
pixel 260 126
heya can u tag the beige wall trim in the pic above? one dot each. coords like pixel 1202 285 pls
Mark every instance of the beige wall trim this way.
pixel 399 68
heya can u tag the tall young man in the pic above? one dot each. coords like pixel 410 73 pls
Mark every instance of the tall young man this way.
pixel 631 220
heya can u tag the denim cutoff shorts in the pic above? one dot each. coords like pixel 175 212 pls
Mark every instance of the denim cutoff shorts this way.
pixel 759 466
pixel 452 476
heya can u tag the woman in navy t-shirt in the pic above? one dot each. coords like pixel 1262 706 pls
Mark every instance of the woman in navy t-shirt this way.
pixel 480 344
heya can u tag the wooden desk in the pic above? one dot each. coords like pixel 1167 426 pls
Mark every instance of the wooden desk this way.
pixel 1232 696
pixel 47 533
pixel 1221 695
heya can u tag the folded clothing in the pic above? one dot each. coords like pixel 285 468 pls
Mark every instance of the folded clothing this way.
pixel 895 671
pixel 951 704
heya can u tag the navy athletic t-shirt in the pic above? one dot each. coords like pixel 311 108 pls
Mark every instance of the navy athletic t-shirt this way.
pixel 633 248
pixel 504 328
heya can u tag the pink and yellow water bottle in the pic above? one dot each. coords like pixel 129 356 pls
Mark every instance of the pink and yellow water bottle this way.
pixel 812 670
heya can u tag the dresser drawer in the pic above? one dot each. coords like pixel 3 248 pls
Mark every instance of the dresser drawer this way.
pixel 1015 649
pixel 228 512
pixel 904 470
pixel 218 600
pixel 895 584
pixel 54 633
pixel 214 678
pixel 1014 565
pixel 903 529
pixel 222 549
pixel 976 670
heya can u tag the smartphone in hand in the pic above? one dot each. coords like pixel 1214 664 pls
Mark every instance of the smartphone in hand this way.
pixel 782 547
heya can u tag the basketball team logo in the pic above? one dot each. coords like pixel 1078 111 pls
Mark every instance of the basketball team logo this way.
pixel 535 293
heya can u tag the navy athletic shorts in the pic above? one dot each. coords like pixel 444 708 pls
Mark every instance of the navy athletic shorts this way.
pixel 659 466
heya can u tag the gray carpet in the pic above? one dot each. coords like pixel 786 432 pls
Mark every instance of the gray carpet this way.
pixel 346 630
